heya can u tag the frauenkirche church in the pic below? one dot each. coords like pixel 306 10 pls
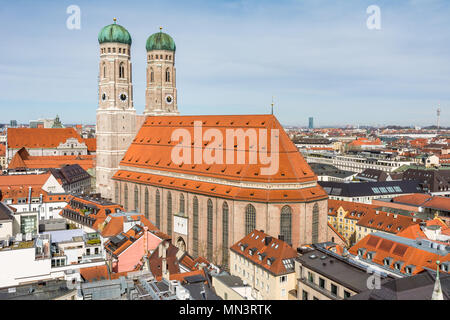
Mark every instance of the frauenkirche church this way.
pixel 205 208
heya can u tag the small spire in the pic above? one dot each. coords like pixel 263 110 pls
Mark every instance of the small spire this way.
pixel 437 291
pixel 114 19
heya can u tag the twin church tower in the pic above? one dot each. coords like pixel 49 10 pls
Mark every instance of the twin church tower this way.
pixel 117 122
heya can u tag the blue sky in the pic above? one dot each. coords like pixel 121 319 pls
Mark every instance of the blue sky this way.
pixel 317 57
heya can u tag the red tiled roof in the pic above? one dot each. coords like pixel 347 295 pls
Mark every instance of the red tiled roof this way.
pixel 91 144
pixel 416 199
pixel 224 191
pixel 387 222
pixel 40 137
pixel 2 150
pixel 22 160
pixel 26 180
pixel 97 273
pixel 409 255
pixel 354 210
pixel 257 251
pixel 153 146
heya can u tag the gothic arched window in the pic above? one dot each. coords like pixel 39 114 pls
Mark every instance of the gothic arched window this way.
pixel 209 229
pixel 146 203
pixel 195 227
pixel 157 208
pixel 315 224
pixel 136 198
pixel 167 75
pixel 169 214
pixel 225 234
pixel 104 70
pixel 125 200
pixel 121 70
pixel 152 75
pixel 182 204
pixel 286 224
pixel 250 219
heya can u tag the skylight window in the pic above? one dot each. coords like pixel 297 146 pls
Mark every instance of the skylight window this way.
pixel 383 190
pixel 397 189
pixel 390 189
pixel 375 190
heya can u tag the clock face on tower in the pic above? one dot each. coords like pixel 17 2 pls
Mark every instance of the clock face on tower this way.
pixel 169 99
pixel 123 97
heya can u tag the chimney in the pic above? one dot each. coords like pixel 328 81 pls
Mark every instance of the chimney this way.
pixel 267 240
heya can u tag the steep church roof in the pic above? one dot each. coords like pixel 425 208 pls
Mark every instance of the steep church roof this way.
pixel 160 41
pixel 149 161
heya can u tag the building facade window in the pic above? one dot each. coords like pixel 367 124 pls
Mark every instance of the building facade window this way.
pixel 315 224
pixel 136 199
pixel 121 71
pixel 286 224
pixel 209 229
pixel 182 211
pixel 125 197
pixel 167 75
pixel 250 219
pixel 195 226
pixel 225 234
pixel 152 75
pixel 169 213
pixel 146 204
pixel 157 209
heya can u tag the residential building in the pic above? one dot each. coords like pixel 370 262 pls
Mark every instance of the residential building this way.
pixel 6 222
pixel 398 255
pixel 418 287
pixel 366 192
pixel 23 161
pixel 266 264
pixel 45 142
pixel 74 179
pixel 326 172
pixel 324 275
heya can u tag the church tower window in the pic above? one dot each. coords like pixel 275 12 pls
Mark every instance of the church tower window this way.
pixel 167 75
pixel 315 224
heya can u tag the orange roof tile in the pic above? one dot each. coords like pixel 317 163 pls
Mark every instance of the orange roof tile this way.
pixel 153 146
pixel 387 222
pixel 257 251
pixel 97 273
pixel 409 255
pixel 40 137
pixel 27 180
pixel 91 144
pixel 224 191
pixel 22 160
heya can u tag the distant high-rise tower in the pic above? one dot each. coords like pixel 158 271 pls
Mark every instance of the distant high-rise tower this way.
pixel 438 112
pixel 161 91
pixel 311 123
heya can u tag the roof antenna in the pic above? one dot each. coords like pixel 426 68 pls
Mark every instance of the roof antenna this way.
pixel 272 105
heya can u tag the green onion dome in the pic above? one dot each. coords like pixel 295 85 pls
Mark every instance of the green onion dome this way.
pixel 160 41
pixel 114 33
